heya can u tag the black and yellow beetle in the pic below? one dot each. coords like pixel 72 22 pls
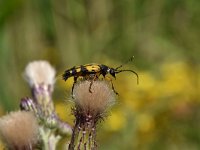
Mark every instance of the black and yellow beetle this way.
pixel 93 71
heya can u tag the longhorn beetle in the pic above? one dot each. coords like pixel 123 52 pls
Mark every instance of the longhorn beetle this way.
pixel 93 71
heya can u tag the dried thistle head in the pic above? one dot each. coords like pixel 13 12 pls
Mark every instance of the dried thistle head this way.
pixel 39 72
pixel 19 130
pixel 95 102
pixel 89 108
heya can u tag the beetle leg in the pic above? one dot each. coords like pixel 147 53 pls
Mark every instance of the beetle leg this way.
pixel 90 87
pixel 114 88
pixel 108 78
pixel 75 80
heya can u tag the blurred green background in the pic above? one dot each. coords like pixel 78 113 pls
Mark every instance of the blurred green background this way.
pixel 162 112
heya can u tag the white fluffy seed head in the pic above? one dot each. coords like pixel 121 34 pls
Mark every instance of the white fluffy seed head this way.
pixel 19 129
pixel 39 72
pixel 101 98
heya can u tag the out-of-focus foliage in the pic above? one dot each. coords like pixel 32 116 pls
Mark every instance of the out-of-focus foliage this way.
pixel 162 112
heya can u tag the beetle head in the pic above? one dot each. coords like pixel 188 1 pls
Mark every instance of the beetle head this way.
pixel 66 75
pixel 112 72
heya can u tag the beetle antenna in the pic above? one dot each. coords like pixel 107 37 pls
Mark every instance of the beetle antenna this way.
pixel 118 71
pixel 125 63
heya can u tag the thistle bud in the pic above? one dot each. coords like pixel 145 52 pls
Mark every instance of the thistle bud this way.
pixel 41 77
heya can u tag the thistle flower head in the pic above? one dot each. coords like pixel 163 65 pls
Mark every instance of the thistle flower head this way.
pixel 92 99
pixel 39 72
pixel 97 101
pixel 19 130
